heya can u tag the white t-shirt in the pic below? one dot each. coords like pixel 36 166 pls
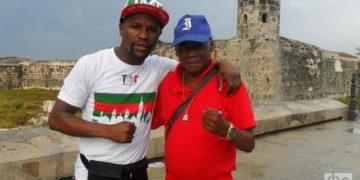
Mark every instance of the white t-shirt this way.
pixel 110 91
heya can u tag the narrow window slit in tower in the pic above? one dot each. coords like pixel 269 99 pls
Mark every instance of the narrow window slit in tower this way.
pixel 264 18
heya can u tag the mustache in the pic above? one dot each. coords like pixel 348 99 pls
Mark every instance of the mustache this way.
pixel 143 43
pixel 149 46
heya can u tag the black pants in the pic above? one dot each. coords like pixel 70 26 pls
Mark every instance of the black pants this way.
pixel 135 175
pixel 105 171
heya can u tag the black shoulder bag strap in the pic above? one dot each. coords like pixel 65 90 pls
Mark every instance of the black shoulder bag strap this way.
pixel 185 103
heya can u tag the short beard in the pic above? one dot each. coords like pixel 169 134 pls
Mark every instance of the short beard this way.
pixel 132 52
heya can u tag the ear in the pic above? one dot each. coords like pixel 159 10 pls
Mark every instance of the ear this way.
pixel 121 29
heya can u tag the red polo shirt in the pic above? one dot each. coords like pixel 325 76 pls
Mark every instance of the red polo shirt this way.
pixel 191 152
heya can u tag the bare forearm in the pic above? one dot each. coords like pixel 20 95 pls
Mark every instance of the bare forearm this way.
pixel 244 141
pixel 62 118
pixel 69 124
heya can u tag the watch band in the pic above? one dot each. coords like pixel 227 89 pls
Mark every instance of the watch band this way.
pixel 229 130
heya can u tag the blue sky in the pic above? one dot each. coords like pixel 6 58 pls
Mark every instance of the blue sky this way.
pixel 68 29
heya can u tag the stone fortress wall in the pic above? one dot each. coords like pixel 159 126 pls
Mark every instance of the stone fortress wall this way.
pixel 274 68
pixel 26 74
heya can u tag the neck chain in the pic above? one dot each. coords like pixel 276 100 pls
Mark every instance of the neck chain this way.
pixel 186 114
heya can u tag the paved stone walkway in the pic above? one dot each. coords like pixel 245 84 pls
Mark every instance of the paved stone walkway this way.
pixel 305 153
pixel 39 153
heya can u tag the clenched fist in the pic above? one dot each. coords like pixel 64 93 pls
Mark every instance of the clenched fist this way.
pixel 122 132
pixel 214 122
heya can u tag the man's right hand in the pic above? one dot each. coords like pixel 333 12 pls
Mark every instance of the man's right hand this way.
pixel 62 118
pixel 122 132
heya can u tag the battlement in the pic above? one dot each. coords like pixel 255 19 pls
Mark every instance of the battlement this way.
pixel 25 74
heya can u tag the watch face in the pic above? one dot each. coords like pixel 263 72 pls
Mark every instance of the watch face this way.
pixel 232 133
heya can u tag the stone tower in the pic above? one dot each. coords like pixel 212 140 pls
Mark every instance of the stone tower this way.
pixel 255 49
pixel 259 48
pixel 259 20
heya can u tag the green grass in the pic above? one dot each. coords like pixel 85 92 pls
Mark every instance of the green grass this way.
pixel 346 100
pixel 19 106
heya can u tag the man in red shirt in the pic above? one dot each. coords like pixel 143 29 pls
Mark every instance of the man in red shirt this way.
pixel 203 140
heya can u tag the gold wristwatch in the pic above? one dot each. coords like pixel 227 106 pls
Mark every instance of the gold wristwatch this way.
pixel 232 132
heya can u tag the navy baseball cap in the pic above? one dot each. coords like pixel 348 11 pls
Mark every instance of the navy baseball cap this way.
pixel 192 28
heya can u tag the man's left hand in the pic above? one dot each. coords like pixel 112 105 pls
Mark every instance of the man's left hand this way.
pixel 231 75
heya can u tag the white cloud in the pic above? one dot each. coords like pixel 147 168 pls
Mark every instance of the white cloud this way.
pixel 329 24
pixel 91 24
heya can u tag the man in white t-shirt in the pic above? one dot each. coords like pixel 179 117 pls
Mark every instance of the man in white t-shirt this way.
pixel 115 90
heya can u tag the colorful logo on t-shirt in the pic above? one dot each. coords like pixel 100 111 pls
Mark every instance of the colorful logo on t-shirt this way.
pixel 129 80
pixel 114 108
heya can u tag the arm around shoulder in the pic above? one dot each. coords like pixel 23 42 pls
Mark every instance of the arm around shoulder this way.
pixel 230 74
